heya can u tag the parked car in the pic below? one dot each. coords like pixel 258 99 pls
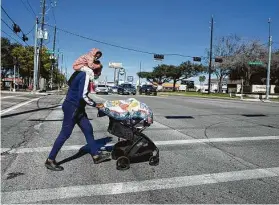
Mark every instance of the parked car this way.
pixel 114 89
pixel 126 88
pixel 102 89
pixel 148 89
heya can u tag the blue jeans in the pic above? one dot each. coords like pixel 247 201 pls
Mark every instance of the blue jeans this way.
pixel 73 116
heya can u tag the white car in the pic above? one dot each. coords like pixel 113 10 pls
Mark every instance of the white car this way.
pixel 114 89
pixel 102 89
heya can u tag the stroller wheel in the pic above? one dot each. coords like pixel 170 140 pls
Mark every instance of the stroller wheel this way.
pixel 154 161
pixel 123 163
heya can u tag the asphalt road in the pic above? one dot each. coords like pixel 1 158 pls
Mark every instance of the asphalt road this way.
pixel 211 151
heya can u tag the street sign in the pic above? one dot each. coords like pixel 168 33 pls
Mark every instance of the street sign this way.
pixel 130 78
pixel 49 51
pixel 121 71
pixel 115 65
pixel 255 63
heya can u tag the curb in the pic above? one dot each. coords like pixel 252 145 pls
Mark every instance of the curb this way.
pixel 30 93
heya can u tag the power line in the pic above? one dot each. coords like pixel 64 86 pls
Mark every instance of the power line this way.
pixel 117 46
pixel 8 15
pixel 53 14
pixel 31 8
pixel 11 37
pixel 28 9
pixel 7 25
pixel 13 31
pixel 31 29
pixel 15 25
pixel 84 37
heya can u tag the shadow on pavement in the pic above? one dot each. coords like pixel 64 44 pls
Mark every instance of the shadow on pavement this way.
pixel 43 120
pixel 179 117
pixel 86 150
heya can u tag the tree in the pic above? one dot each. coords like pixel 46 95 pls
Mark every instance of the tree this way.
pixel 184 71
pixel 7 61
pixel 157 76
pixel 248 52
pixel 25 60
pixel 226 47
pixel 274 70
pixel 25 56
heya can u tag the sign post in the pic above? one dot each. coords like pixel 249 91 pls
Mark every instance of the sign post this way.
pixel 115 66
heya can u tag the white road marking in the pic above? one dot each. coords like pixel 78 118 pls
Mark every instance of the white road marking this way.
pixel 28 196
pixel 13 96
pixel 158 143
pixel 17 106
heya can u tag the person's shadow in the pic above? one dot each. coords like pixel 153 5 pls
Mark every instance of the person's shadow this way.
pixel 86 149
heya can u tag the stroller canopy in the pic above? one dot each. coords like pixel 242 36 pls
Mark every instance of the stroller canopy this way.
pixel 127 110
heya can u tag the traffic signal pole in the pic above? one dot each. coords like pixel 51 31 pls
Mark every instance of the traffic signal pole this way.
pixel 268 67
pixel 210 57
pixel 53 59
pixel 35 56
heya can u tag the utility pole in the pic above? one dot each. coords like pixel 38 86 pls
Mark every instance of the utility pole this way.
pixel 35 56
pixel 14 75
pixel 53 58
pixel 61 69
pixel 57 69
pixel 66 74
pixel 41 42
pixel 210 56
pixel 115 76
pixel 140 72
pixel 269 62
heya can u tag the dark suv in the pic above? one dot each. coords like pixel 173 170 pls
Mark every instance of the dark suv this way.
pixel 148 89
pixel 126 89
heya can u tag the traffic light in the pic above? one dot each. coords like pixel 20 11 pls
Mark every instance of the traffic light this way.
pixel 218 60
pixel 24 38
pixel 197 59
pixel 158 57
pixel 16 28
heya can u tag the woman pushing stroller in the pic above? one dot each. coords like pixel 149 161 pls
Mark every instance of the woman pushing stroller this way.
pixel 87 67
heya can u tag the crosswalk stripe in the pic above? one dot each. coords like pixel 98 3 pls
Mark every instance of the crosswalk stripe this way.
pixel 158 143
pixel 28 196
pixel 17 106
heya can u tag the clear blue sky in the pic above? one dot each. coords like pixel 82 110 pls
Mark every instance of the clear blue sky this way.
pixel 160 26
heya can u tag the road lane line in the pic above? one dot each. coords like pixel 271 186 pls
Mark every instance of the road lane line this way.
pixel 10 96
pixel 17 106
pixel 28 196
pixel 158 143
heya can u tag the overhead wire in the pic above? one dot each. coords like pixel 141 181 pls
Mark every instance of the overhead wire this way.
pixel 31 29
pixel 122 47
pixel 14 24
pixel 31 7
pixel 11 37
pixel 28 9
pixel 7 15
pixel 13 31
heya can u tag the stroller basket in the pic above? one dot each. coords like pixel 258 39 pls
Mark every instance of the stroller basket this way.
pixel 120 129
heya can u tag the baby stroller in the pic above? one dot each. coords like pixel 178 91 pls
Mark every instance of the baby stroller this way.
pixel 132 145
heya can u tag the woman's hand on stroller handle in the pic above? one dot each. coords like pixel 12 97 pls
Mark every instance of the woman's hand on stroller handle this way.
pixel 99 105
